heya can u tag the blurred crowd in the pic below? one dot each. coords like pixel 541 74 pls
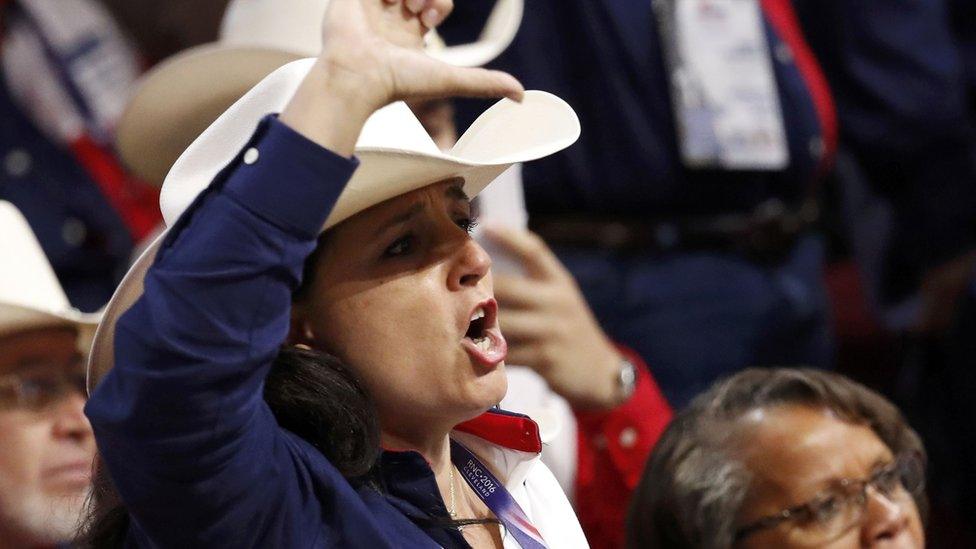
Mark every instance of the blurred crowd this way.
pixel 741 307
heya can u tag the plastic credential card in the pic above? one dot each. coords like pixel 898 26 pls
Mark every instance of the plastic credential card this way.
pixel 502 204
pixel 723 87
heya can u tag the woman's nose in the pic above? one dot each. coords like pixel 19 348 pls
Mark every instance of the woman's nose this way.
pixel 885 516
pixel 471 263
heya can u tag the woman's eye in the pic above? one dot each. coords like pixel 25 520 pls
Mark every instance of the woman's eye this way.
pixel 887 482
pixel 827 508
pixel 400 247
pixel 467 223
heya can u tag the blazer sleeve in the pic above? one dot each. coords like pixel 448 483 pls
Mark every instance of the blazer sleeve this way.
pixel 181 424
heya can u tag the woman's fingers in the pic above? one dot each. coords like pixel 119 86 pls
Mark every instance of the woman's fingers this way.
pixel 431 18
pixel 436 12
pixel 419 76
pixel 523 355
pixel 524 327
pixel 517 292
pixel 418 7
pixel 394 67
pixel 466 82
pixel 430 12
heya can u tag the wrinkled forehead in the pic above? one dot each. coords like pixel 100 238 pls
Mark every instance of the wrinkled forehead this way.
pixel 449 190
pixel 799 450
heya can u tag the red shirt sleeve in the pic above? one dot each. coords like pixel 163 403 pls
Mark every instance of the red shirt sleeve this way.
pixel 613 448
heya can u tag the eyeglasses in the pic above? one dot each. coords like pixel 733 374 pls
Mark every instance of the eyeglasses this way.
pixel 36 386
pixel 837 510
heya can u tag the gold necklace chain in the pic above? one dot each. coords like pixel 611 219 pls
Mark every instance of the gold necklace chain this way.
pixel 452 510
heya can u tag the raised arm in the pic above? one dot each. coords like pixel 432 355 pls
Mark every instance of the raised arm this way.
pixel 181 424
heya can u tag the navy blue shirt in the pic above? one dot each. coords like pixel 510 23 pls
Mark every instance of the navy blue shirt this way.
pixel 904 74
pixel 604 57
pixel 192 447
pixel 962 15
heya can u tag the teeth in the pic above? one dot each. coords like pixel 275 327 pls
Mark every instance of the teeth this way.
pixel 480 313
pixel 484 344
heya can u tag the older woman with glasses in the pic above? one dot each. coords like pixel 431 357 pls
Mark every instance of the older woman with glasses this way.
pixel 783 458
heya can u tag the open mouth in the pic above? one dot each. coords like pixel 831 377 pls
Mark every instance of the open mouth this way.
pixel 483 340
pixel 477 330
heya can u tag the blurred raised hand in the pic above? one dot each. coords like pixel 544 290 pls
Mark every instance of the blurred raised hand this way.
pixel 549 326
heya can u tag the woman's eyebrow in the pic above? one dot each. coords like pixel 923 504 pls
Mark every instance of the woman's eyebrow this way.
pixel 402 217
pixel 880 463
pixel 456 192
pixel 834 480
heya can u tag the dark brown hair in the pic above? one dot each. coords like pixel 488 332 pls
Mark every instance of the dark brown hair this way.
pixel 694 485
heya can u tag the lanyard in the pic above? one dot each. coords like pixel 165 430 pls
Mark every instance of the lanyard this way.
pixel 496 497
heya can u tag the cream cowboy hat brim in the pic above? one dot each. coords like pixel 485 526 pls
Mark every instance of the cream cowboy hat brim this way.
pixel 395 153
pixel 182 96
pixel 31 295
pixel 16 318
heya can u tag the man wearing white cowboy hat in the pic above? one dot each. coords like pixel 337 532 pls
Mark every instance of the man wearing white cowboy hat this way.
pixel 47 444
pixel 395 287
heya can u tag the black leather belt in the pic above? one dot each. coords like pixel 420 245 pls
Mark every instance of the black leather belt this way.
pixel 767 234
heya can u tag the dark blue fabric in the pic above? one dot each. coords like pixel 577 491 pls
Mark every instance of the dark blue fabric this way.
pixel 192 447
pixel 696 317
pixel 82 235
pixel 692 316
pixel 904 74
pixel 963 18
pixel 604 58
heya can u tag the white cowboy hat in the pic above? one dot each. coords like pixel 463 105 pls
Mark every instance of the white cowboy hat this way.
pixel 396 156
pixel 30 294
pixel 181 96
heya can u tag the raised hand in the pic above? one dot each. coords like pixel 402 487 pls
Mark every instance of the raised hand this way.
pixel 372 55
pixel 550 327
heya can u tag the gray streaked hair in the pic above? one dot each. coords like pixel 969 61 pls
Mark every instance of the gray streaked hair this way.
pixel 694 484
